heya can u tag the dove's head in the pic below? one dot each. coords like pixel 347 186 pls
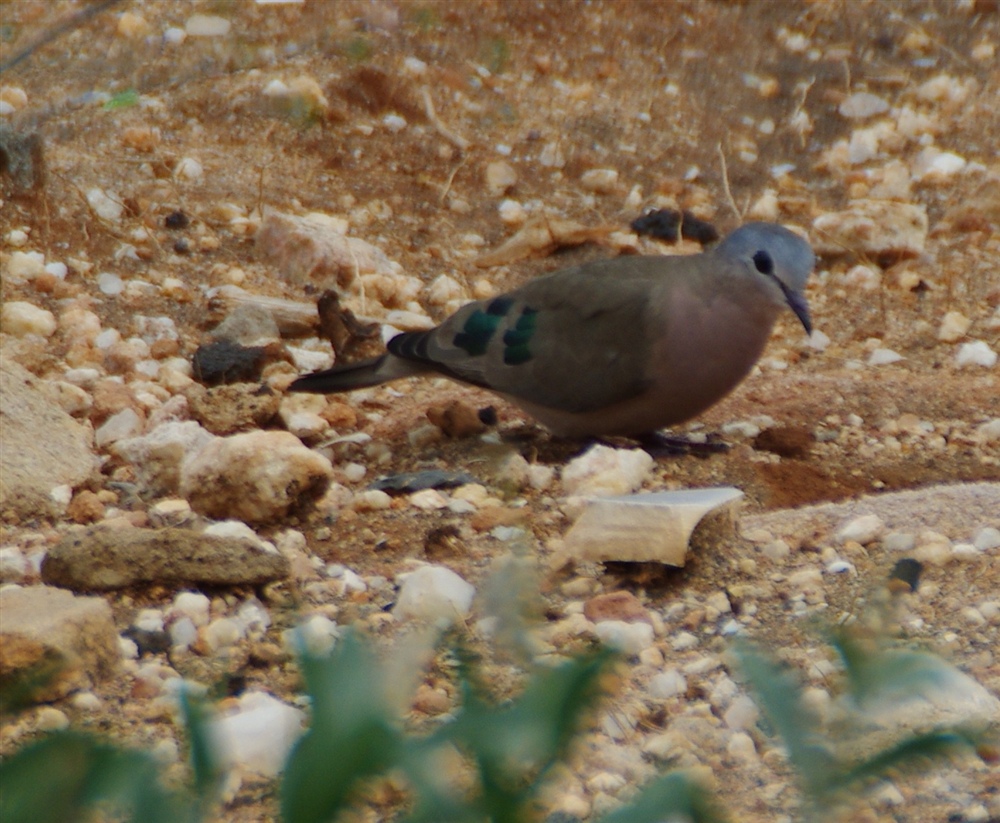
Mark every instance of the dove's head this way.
pixel 778 259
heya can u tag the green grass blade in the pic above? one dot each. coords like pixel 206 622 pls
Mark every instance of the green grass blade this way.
pixel 353 733
pixel 204 765
pixel 673 796
pixel 778 693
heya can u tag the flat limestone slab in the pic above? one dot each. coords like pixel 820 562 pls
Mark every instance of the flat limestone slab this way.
pixel 43 447
pixel 657 527
pixel 49 630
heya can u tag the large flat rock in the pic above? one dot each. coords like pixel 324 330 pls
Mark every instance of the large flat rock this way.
pixel 99 559
pixel 43 447
pixel 53 642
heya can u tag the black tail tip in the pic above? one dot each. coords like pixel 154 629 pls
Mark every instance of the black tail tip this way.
pixel 313 383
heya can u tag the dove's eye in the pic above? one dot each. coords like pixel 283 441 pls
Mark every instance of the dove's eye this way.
pixel 762 260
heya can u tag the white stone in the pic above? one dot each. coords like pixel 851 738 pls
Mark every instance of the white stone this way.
pixel 776 550
pixel 20 318
pixel 128 648
pixel 899 541
pixel 863 145
pixel 253 616
pixel 987 539
pixel 174 36
pixel 719 601
pixel 742 713
pixel 222 633
pixel 977 353
pixel 16 238
pixel 646 527
pixel 965 551
pixel 512 213
pixel 935 166
pixel 22 266
pixel 125 424
pixel 886 793
pixel 862 104
pixel 371 500
pixel 884 357
pixel 316 635
pixel 628 638
pixel 953 326
pixel 540 476
pixel 819 340
pixel 864 530
pixel 434 594
pixel 428 500
pixel 86 702
pixel 600 181
pixel 602 470
pixel 413 66
pixel 159 454
pixel 13 565
pixel 443 290
pixel 255 477
pixel 741 746
pixel 149 620
pixel 110 284
pixel 51 719
pixel 107 206
pixel 206 25
pixel 670 683
pixel 989 432
pixel 183 633
pixel 193 605
pixel 257 734
pixel 394 123
pixel 304 425
pixel 500 177
pixel 189 169
pixel 683 641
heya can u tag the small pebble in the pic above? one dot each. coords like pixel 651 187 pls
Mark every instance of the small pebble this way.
pixel 899 542
pixel 741 746
pixel 599 181
pixel 207 25
pixel 19 318
pixel 628 638
pixel 862 104
pixel 50 719
pixel 987 539
pixel 670 683
pixel 864 530
pixel 883 357
pixel 977 353
pixel 953 326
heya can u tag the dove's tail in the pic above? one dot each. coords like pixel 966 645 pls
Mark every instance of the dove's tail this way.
pixel 359 375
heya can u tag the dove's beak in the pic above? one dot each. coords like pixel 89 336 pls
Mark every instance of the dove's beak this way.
pixel 797 303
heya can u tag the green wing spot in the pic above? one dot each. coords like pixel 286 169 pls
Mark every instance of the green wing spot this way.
pixel 476 333
pixel 516 340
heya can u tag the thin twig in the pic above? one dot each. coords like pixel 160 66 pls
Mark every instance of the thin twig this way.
pixel 72 22
pixel 451 179
pixel 456 139
pixel 725 184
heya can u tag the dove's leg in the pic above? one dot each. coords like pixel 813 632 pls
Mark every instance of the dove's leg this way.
pixel 658 444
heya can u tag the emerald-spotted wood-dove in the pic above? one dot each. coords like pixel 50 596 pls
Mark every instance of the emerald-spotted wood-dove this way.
pixel 623 346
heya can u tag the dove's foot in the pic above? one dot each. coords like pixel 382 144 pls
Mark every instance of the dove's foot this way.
pixel 658 444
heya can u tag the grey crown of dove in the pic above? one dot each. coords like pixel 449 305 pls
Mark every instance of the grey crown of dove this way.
pixel 624 346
